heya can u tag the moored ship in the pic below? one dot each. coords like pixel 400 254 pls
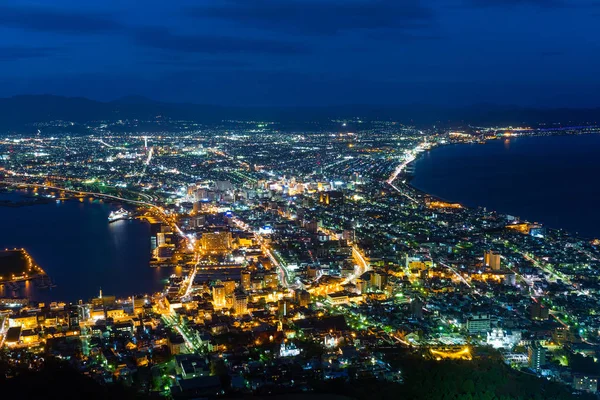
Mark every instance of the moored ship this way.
pixel 118 215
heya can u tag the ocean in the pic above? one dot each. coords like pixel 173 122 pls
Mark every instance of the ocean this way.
pixel 552 180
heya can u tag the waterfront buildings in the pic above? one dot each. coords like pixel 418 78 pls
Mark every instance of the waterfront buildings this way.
pixel 296 258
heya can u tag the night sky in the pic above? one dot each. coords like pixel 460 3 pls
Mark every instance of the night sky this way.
pixel 305 52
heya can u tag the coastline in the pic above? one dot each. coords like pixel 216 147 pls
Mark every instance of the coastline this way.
pixel 112 253
pixel 408 181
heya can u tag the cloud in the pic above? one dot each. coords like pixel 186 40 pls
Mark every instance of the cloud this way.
pixel 163 39
pixel 313 17
pixel 14 53
pixel 56 21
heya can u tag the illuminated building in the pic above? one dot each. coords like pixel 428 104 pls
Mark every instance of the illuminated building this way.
pixel 491 260
pixel 73 315
pixel 283 307
pixel 116 313
pixel 379 280
pixel 229 287
pixel 288 350
pixel 219 300
pixel 216 242
pixel 176 344
pixel 240 303
pixel 585 383
pixel 479 323
pixel 515 358
pixel 361 286
pixel 332 198
pixel 537 356
pixel 160 239
pixel 245 278
pixel 271 280
pixel 338 298
pixel 500 339
pixel 24 321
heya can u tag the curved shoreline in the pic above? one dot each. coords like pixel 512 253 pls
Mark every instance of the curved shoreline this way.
pixel 423 193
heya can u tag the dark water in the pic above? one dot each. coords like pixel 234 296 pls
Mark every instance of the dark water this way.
pixel 552 180
pixel 77 247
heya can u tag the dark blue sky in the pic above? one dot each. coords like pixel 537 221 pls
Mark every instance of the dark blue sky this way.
pixel 305 52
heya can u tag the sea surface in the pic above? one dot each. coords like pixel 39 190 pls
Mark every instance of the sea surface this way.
pixel 553 180
pixel 79 250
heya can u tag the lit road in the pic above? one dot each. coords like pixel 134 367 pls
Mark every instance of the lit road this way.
pixel 191 342
pixel 284 275
pixel 191 277
pixel 362 264
pixel 410 156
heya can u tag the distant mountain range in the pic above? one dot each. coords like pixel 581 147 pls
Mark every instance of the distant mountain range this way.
pixel 19 112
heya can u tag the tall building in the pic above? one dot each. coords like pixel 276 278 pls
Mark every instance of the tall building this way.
pixel 245 279
pixel 271 280
pixel 219 297
pixel 161 239
pixel 73 314
pixel 379 280
pixel 240 303
pixel 537 356
pixel 479 323
pixel 283 307
pixel 491 260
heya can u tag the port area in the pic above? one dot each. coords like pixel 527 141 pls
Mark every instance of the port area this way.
pixel 17 265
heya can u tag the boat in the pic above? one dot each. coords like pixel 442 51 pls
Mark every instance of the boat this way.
pixel 118 215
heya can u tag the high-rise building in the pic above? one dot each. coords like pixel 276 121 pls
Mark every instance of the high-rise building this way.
pixel 478 323
pixel 491 260
pixel 378 280
pixel 219 297
pixel 537 356
pixel 73 314
pixel 283 307
pixel 240 303
pixel 161 239
pixel 245 279
pixel 271 280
